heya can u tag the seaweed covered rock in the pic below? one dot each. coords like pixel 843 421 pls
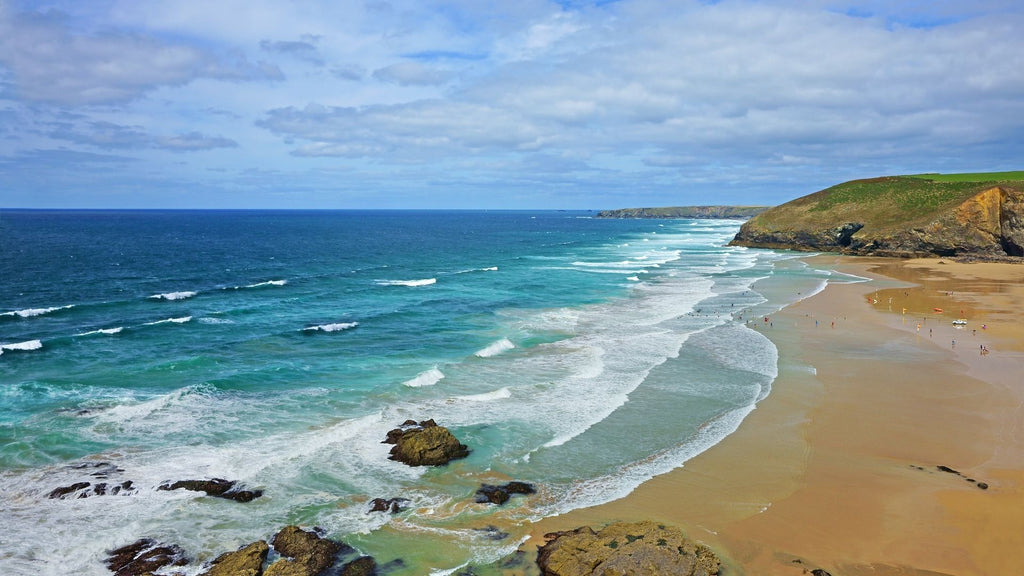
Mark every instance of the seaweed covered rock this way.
pixel 246 561
pixel 424 444
pixel 625 549
pixel 306 553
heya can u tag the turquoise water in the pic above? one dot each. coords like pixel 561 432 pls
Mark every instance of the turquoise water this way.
pixel 278 348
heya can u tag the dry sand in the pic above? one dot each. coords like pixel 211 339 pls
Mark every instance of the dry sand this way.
pixel 838 467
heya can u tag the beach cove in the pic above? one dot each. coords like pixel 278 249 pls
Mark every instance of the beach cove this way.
pixel 839 467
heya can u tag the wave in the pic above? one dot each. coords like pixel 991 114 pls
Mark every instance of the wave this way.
pixel 499 394
pixel 25 346
pixel 180 320
pixel 425 378
pixel 336 327
pixel 423 282
pixel 174 295
pixel 495 348
pixel 30 312
pixel 491 269
pixel 262 284
pixel 102 331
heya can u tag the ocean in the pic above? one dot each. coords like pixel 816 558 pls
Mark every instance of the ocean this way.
pixel 276 349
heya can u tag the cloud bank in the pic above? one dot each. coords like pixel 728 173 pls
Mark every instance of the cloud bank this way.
pixel 543 104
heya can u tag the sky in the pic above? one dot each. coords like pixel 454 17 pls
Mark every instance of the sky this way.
pixel 525 104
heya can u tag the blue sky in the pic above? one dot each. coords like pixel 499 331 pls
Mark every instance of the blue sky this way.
pixel 468 104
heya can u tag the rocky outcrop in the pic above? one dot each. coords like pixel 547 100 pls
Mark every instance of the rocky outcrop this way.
pixel 143 557
pixel 721 212
pixel 501 494
pixel 246 561
pixel 305 553
pixel 424 444
pixel 902 216
pixel 621 549
pixel 218 487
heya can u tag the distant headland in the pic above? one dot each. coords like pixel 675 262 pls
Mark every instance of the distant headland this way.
pixel 724 212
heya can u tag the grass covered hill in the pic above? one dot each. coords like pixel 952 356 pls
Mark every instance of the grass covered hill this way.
pixel 926 214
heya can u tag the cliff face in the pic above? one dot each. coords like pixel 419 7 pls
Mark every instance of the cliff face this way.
pixel 904 219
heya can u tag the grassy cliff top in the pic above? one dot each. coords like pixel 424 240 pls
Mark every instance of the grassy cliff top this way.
pixel 887 203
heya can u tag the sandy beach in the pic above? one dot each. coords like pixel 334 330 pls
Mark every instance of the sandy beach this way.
pixel 839 468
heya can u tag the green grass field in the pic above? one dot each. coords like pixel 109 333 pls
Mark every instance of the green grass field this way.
pixel 973 177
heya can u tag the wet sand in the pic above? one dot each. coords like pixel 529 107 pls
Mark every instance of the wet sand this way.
pixel 839 467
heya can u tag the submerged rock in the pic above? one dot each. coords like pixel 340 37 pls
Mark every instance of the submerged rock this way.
pixel 306 553
pixel 143 557
pixel 501 494
pixel 623 549
pixel 392 505
pixel 424 444
pixel 246 561
pixel 362 566
pixel 218 487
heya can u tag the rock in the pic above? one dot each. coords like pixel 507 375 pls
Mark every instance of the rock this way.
pixel 63 491
pixel 217 487
pixel 948 469
pixel 424 444
pixel 501 494
pixel 144 556
pixel 624 549
pixel 246 561
pixel 982 485
pixel 819 572
pixel 362 566
pixel 307 553
pixel 392 505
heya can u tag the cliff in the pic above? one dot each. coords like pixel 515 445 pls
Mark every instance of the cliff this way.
pixel 927 215
pixel 731 212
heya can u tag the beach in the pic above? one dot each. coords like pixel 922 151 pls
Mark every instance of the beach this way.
pixel 892 441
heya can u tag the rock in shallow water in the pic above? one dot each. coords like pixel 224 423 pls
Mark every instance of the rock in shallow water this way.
pixel 424 444
pixel 143 557
pixel 306 553
pixel 246 561
pixel 227 489
pixel 622 549
pixel 501 494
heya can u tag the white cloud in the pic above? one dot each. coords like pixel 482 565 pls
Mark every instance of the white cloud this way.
pixel 51 63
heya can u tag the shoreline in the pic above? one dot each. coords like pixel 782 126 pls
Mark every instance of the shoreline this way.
pixel 838 467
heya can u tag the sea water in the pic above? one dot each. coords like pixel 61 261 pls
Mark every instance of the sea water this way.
pixel 276 349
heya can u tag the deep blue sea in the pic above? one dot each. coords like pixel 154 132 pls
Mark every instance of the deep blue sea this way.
pixel 277 349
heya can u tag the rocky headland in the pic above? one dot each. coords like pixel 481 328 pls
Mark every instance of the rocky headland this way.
pixel 979 217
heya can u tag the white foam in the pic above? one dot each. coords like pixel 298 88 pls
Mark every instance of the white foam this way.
pixel 491 269
pixel 30 312
pixel 499 394
pixel 25 346
pixel 411 283
pixel 633 278
pixel 495 348
pixel 102 331
pixel 425 378
pixel 267 283
pixel 336 327
pixel 174 295
pixel 179 320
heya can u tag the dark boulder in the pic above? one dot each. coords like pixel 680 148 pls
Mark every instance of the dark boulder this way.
pixel 143 557
pixel 63 491
pixel 501 494
pixel 218 487
pixel 424 444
